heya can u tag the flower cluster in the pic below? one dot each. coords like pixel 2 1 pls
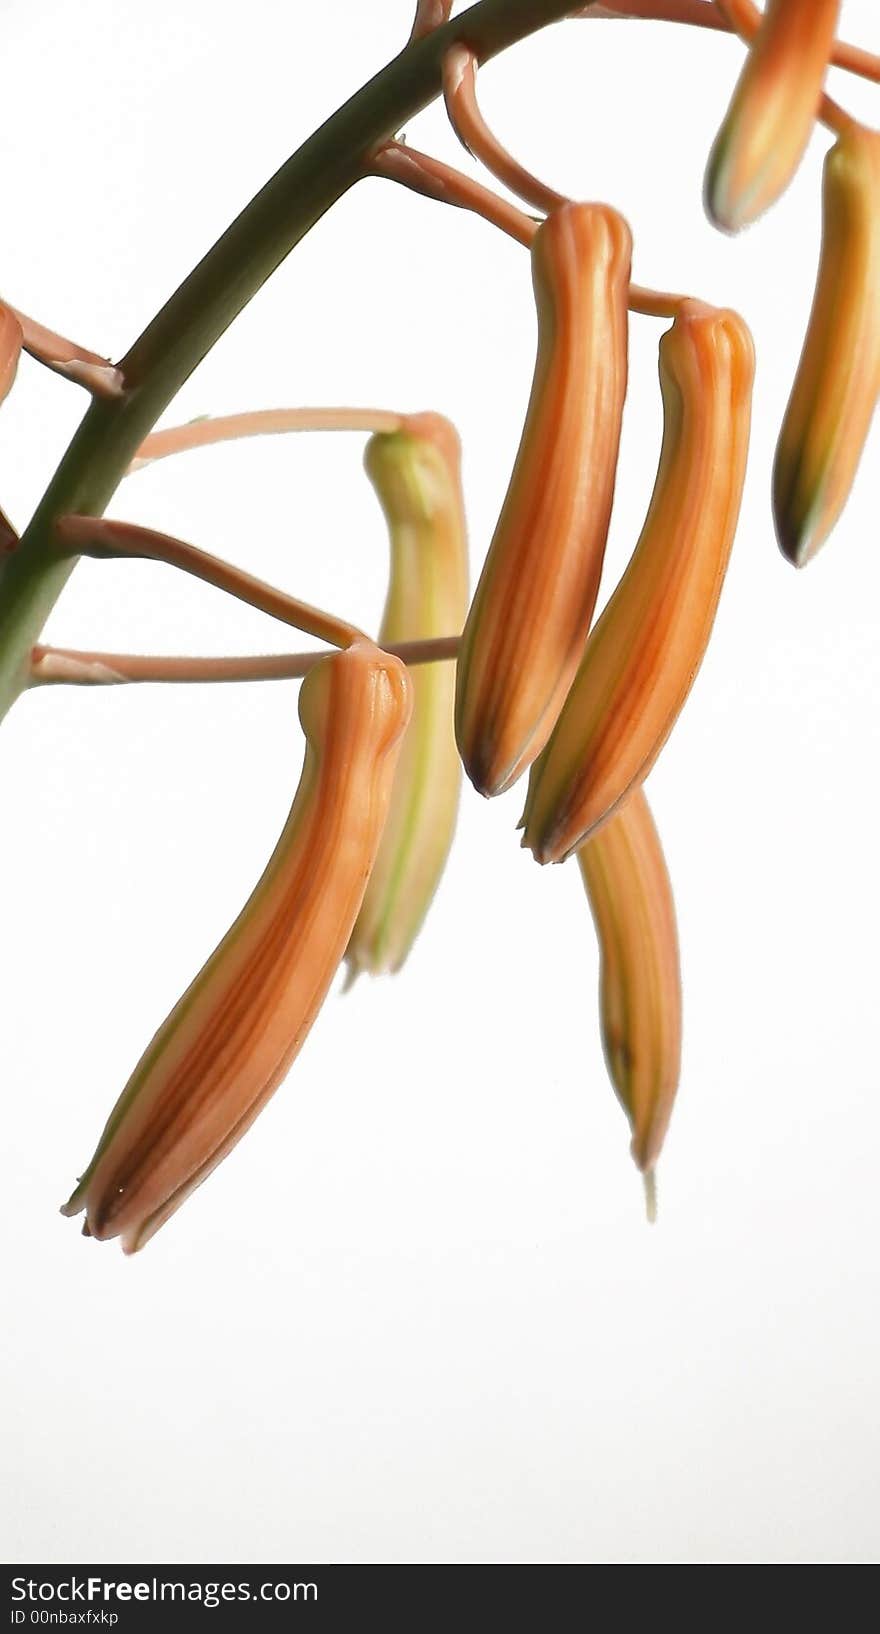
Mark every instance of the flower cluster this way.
pixel 537 687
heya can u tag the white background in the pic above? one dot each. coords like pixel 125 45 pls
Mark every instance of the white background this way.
pixel 418 1316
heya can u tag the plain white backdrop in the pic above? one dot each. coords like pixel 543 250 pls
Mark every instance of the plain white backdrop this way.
pixel 418 1315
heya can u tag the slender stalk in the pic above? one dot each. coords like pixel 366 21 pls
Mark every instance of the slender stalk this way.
pixel 259 423
pixel 66 666
pixel 95 536
pixel 77 363
pixel 460 96
pixel 155 368
pixel 436 180
pixel 655 303
pixel 703 14
pixel 430 14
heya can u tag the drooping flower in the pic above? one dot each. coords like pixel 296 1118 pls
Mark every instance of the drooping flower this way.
pixel 771 115
pixel 641 659
pixel 533 605
pixel 231 1038
pixel 838 379
pixel 627 883
pixel 417 475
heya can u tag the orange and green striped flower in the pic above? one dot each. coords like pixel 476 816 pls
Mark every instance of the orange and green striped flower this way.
pixel 417 475
pixel 771 115
pixel 533 605
pixel 230 1040
pixel 627 884
pixel 837 384
pixel 641 659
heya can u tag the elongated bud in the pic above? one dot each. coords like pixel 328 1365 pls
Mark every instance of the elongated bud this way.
pixel 770 118
pixel 630 896
pixel 417 475
pixel 536 595
pixel 838 380
pixel 229 1041
pixel 642 657
pixel 10 349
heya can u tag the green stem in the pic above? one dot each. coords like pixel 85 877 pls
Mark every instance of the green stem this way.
pixel 206 303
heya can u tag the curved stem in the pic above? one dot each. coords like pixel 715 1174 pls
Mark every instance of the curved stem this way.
pixel 106 540
pixel 66 666
pixel 430 14
pixel 460 96
pixel 155 368
pixel 703 14
pixel 89 369
pixel 259 423
pixel 436 180
pixel 424 174
pixel 655 303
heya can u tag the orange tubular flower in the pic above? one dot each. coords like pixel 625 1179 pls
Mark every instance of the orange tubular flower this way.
pixel 838 379
pixel 642 657
pixel 771 115
pixel 630 896
pixel 417 475
pixel 525 632
pixel 10 349
pixel 229 1041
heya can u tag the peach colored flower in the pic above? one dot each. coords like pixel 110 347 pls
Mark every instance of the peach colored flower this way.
pixel 229 1041
pixel 525 631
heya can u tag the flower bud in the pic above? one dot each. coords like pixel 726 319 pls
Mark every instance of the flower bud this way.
pixel 10 349
pixel 229 1041
pixel 770 118
pixel 630 897
pixel 533 605
pixel 838 379
pixel 417 475
pixel 641 659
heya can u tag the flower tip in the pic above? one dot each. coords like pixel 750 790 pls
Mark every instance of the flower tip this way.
pixel 352 973
pixel 649 1179
pixel 797 548
pixel 482 774
pixel 721 215
pixel 727 208
pixel 540 852
pixel 74 1202
pixel 798 530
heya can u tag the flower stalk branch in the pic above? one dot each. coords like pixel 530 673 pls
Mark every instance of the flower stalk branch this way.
pixel 430 14
pixel 706 14
pixel 68 666
pixel 463 109
pixel 424 174
pixel 107 540
pixel 97 374
pixel 224 428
